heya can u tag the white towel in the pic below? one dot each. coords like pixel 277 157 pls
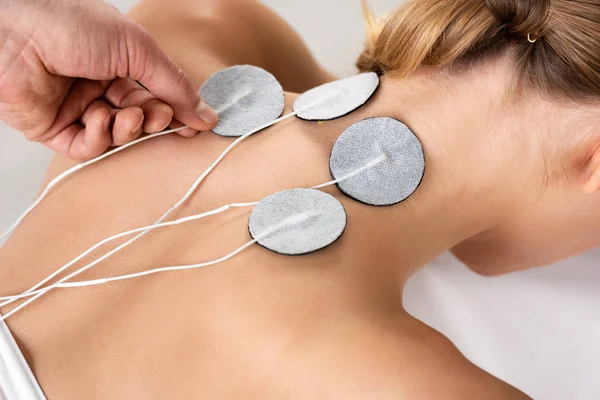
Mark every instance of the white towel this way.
pixel 17 382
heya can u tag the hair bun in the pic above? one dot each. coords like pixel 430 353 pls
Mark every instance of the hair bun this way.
pixel 521 17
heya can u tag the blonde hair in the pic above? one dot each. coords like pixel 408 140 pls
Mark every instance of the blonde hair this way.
pixel 563 60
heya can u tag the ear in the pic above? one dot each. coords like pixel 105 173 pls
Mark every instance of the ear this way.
pixel 592 179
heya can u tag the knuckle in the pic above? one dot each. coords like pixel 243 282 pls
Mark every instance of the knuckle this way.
pixel 182 78
pixel 137 44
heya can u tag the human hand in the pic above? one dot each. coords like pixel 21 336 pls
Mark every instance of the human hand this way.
pixel 79 77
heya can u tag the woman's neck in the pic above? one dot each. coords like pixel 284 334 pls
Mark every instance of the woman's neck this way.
pixel 472 165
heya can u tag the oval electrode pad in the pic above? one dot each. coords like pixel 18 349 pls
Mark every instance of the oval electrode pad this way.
pixel 336 99
pixel 245 97
pixel 298 221
pixel 387 155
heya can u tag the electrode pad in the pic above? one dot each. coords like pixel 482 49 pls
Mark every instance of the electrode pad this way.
pixel 297 221
pixel 245 97
pixel 343 97
pixel 388 182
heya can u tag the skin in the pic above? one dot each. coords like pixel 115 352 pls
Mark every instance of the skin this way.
pixel 328 325
pixel 79 77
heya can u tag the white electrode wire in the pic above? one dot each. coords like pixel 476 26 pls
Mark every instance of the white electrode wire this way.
pixel 293 220
pixel 189 193
pixel 287 222
pixel 62 284
pixel 367 166
pixel 33 291
pixel 169 212
pixel 102 281
pixel 74 169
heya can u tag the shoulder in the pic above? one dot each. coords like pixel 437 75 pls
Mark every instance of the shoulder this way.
pixel 417 362
pixel 205 36
pixel 444 372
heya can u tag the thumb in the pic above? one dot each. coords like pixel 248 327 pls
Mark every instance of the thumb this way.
pixel 150 66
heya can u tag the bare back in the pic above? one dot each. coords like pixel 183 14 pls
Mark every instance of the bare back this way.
pixel 328 325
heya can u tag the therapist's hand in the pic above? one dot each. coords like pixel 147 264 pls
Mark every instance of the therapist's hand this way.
pixel 69 73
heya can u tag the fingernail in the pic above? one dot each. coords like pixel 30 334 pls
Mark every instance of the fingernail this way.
pixel 206 113
pixel 139 127
pixel 107 124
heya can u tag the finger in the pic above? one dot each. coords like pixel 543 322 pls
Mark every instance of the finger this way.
pixel 127 126
pixel 125 92
pixel 157 116
pixel 93 108
pixel 187 132
pixel 148 64
pixel 84 143
pixel 83 92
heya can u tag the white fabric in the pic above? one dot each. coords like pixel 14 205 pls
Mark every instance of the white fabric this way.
pixel 388 182
pixel 16 379
pixel 320 221
pixel 245 97
pixel 342 96
pixel 538 330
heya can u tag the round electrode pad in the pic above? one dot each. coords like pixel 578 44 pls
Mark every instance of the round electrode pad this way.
pixel 336 99
pixel 298 221
pixel 245 97
pixel 387 155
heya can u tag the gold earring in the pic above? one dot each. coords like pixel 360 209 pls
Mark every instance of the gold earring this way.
pixel 530 39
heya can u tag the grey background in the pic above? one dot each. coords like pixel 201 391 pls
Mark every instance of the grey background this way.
pixel 538 330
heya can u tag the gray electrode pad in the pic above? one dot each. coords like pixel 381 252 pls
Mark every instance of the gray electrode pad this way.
pixel 396 156
pixel 336 99
pixel 298 221
pixel 245 97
